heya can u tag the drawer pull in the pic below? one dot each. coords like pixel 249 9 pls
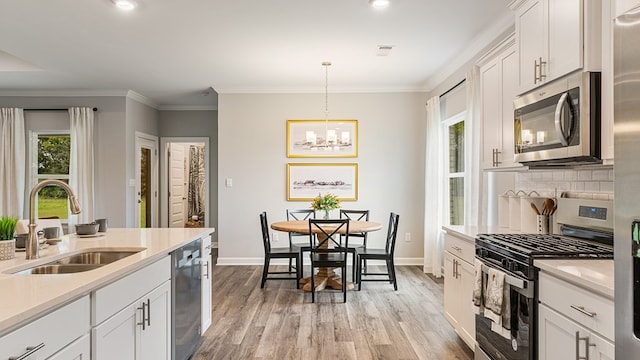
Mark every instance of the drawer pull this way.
pixel 456 248
pixel 144 316
pixel 582 310
pixel 587 344
pixel 206 266
pixel 30 351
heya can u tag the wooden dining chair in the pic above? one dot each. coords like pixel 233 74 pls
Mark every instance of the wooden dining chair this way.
pixel 386 254
pixel 277 253
pixel 299 214
pixel 326 250
pixel 356 215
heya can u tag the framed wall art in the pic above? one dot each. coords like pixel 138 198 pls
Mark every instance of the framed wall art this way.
pixel 307 180
pixel 322 138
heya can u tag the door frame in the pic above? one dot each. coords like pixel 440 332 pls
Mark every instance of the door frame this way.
pixel 149 142
pixel 164 170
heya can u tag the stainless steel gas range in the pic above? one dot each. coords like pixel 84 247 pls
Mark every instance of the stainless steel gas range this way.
pixel 586 233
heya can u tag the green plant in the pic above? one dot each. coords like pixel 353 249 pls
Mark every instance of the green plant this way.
pixel 7 227
pixel 325 202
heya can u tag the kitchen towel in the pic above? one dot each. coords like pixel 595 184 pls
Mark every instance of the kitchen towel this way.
pixel 477 286
pixel 494 295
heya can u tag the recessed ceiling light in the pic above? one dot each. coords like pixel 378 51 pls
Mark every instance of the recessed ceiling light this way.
pixel 125 4
pixel 379 4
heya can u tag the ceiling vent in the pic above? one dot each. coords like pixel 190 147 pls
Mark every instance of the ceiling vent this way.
pixel 384 50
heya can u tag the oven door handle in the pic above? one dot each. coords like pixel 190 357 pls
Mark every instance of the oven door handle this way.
pixel 525 287
pixel 558 120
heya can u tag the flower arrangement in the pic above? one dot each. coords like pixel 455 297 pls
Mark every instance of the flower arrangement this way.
pixel 325 202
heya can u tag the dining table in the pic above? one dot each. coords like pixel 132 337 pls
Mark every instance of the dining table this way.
pixel 325 277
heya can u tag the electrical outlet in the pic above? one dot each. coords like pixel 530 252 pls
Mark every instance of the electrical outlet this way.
pixel 274 236
pixel 407 237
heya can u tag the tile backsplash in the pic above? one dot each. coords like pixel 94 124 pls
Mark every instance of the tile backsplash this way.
pixel 590 184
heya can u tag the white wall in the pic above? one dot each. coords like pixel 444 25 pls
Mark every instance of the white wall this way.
pixel 252 151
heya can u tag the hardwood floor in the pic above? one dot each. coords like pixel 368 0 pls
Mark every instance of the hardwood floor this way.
pixel 280 322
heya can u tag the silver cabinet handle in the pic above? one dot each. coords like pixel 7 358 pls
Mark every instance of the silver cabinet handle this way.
pixel 586 347
pixel 148 312
pixel 535 71
pixel 453 269
pixel 30 351
pixel 582 310
pixel 144 315
pixel 206 266
pixel 456 248
pixel 542 76
pixel 496 162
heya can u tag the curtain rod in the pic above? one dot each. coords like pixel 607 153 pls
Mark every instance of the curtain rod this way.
pixel 94 109
pixel 453 87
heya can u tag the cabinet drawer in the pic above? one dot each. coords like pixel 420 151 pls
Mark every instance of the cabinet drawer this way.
pixel 54 331
pixel 460 247
pixel 117 295
pixel 593 311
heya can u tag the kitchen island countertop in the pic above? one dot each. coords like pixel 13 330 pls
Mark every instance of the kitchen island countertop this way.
pixel 26 297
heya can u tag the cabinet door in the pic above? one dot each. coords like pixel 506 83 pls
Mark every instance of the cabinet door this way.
pixel 468 318
pixel 155 338
pixel 557 335
pixel 531 34
pixel 78 350
pixel 602 350
pixel 206 283
pixel 564 37
pixel 452 290
pixel 491 113
pixel 509 81
pixel 116 337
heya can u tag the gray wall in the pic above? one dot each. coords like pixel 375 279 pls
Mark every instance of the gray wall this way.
pixel 252 151
pixel 197 124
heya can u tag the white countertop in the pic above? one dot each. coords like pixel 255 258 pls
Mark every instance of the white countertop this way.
pixel 593 274
pixel 469 232
pixel 26 296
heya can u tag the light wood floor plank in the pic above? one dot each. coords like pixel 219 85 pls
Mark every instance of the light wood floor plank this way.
pixel 280 322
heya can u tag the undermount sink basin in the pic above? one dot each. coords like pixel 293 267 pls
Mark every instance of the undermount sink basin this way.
pixel 58 269
pixel 84 261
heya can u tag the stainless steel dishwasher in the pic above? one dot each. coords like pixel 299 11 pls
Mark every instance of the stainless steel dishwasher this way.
pixel 186 296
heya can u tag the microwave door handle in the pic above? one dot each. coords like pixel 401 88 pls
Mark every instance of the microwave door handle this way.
pixel 558 119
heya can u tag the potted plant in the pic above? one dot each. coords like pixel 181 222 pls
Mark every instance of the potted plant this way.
pixel 7 241
pixel 325 202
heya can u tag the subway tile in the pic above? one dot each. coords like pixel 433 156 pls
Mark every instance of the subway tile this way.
pixel 584 175
pixel 601 196
pixel 570 175
pixel 592 186
pixel 611 197
pixel 600 175
pixel 606 186
pixel 547 175
pixel 577 186
pixel 558 175
pixel 611 175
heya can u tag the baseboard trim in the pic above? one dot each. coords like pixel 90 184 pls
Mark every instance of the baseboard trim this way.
pixel 235 261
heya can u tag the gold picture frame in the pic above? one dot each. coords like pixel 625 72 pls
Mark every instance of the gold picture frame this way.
pixel 306 180
pixel 322 138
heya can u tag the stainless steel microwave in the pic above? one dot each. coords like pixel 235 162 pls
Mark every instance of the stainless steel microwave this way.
pixel 559 123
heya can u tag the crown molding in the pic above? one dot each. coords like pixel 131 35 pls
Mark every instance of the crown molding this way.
pixel 141 99
pixel 78 93
pixel 188 108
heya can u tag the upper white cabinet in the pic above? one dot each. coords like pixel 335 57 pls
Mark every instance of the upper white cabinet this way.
pixel 554 38
pixel 499 86
pixel 622 6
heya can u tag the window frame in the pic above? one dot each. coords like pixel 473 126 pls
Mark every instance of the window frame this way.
pixel 446 123
pixel 33 162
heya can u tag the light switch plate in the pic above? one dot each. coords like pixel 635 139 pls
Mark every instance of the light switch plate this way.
pixel 228 182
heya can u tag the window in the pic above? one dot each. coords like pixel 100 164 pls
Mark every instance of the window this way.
pixel 53 151
pixel 454 168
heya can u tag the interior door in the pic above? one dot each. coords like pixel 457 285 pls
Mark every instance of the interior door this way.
pixel 146 181
pixel 177 181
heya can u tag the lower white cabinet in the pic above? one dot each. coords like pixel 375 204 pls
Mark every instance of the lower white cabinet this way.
pixel 78 350
pixel 560 338
pixel 573 322
pixel 142 328
pixel 206 283
pixel 458 287
pixel 51 335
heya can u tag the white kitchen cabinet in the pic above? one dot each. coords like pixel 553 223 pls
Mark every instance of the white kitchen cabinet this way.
pixel 48 334
pixel 206 283
pixel 458 287
pixel 554 38
pixel 78 350
pixel 622 6
pixel 132 316
pixel 499 86
pixel 606 80
pixel 572 318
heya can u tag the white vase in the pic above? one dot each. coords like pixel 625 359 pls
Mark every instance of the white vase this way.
pixel 7 249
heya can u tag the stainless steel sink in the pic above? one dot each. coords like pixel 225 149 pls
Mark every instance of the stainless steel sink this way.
pixel 58 269
pixel 95 257
pixel 84 261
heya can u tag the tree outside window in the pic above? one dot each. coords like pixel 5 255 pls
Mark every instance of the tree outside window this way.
pixel 54 151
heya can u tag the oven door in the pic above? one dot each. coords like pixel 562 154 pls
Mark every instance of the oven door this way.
pixel 521 343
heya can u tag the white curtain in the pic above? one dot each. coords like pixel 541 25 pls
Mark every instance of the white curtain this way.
pixel 434 196
pixel 12 162
pixel 473 210
pixel 81 163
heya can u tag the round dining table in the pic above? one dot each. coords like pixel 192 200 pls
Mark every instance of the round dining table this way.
pixel 325 277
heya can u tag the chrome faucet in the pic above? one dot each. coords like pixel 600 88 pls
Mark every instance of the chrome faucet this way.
pixel 31 245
